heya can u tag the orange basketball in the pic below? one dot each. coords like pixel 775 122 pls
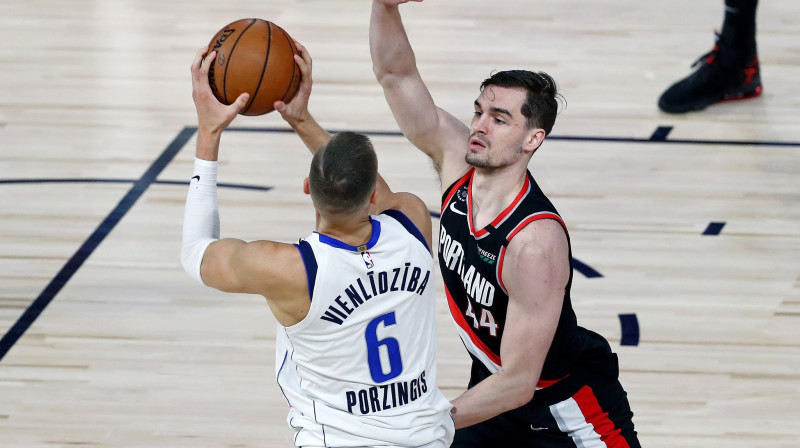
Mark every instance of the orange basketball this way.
pixel 257 57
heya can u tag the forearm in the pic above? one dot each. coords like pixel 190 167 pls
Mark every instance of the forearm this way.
pixel 208 144
pixel 496 394
pixel 314 136
pixel 391 51
pixel 201 216
pixel 310 132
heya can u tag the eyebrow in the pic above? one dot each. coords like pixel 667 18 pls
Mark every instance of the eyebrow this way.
pixel 497 110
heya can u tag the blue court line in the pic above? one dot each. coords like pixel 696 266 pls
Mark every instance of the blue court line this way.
pixel 76 261
pixel 124 181
pixel 714 228
pixel 661 130
pixel 585 269
pixel 630 329
pixel 661 133
pixel 676 141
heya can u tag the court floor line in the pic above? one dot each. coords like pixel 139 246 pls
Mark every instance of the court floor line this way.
pixel 79 180
pixel 106 226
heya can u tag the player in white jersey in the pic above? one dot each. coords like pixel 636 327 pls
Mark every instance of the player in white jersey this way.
pixel 364 349
pixel 356 337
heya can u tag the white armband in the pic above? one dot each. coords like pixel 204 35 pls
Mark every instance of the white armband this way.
pixel 201 216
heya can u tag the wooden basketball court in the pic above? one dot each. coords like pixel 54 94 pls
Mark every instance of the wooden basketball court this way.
pixel 686 228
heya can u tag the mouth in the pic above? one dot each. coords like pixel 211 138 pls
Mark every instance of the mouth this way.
pixel 477 143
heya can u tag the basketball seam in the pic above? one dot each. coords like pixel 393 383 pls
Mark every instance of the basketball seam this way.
pixel 230 58
pixel 294 65
pixel 263 70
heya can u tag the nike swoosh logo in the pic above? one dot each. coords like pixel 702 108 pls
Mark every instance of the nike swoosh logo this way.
pixel 455 210
pixel 195 177
pixel 537 429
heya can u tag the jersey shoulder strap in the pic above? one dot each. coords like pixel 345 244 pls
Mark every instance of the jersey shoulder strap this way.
pixel 448 193
pixel 310 263
pixel 408 224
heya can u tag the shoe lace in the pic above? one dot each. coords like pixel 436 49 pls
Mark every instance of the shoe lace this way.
pixel 711 56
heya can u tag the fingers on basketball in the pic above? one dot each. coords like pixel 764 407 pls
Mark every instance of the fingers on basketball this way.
pixel 254 56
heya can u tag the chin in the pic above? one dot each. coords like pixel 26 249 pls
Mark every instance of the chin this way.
pixel 477 162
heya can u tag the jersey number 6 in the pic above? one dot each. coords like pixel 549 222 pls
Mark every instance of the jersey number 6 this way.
pixel 374 350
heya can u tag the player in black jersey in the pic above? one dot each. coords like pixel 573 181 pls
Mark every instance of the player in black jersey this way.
pixel 538 379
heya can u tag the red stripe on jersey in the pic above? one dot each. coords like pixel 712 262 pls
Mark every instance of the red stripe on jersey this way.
pixel 520 196
pixel 594 414
pixel 547 383
pixel 535 217
pixel 455 188
pixel 500 258
pixel 461 322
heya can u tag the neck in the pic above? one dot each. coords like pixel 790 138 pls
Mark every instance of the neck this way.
pixel 353 229
pixel 493 191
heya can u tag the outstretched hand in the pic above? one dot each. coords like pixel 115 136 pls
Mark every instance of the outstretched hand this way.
pixel 212 116
pixel 296 110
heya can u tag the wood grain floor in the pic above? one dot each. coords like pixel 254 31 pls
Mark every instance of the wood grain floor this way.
pixel 108 342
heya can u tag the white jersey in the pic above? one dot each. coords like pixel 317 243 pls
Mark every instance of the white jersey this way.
pixel 359 369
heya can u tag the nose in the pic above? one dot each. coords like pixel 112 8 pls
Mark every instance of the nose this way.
pixel 479 124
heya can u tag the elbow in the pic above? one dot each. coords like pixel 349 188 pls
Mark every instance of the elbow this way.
pixel 382 74
pixel 524 397
pixel 189 262
pixel 522 390
pixel 391 70
pixel 186 261
pixel 192 257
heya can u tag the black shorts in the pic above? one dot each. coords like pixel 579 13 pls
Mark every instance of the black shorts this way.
pixel 595 413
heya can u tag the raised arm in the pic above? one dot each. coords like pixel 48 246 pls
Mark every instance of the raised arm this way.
pixel 296 114
pixel 535 273
pixel 437 133
pixel 273 270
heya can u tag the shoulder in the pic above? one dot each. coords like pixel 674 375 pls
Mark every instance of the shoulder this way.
pixel 408 203
pixel 279 273
pixel 537 239
pixel 537 253
pixel 277 265
pixel 415 211
pixel 266 250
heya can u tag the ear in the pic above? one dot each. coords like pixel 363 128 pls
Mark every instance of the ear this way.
pixel 373 198
pixel 306 188
pixel 534 140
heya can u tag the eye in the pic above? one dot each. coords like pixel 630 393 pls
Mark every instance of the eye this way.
pixel 499 121
pixel 478 113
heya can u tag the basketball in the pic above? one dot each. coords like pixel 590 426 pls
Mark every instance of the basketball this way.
pixel 257 57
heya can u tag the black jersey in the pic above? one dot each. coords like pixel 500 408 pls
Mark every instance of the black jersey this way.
pixel 471 261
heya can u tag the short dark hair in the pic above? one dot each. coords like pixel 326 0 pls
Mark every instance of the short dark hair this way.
pixel 540 107
pixel 343 173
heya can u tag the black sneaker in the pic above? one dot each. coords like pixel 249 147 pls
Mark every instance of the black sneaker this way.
pixel 720 77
